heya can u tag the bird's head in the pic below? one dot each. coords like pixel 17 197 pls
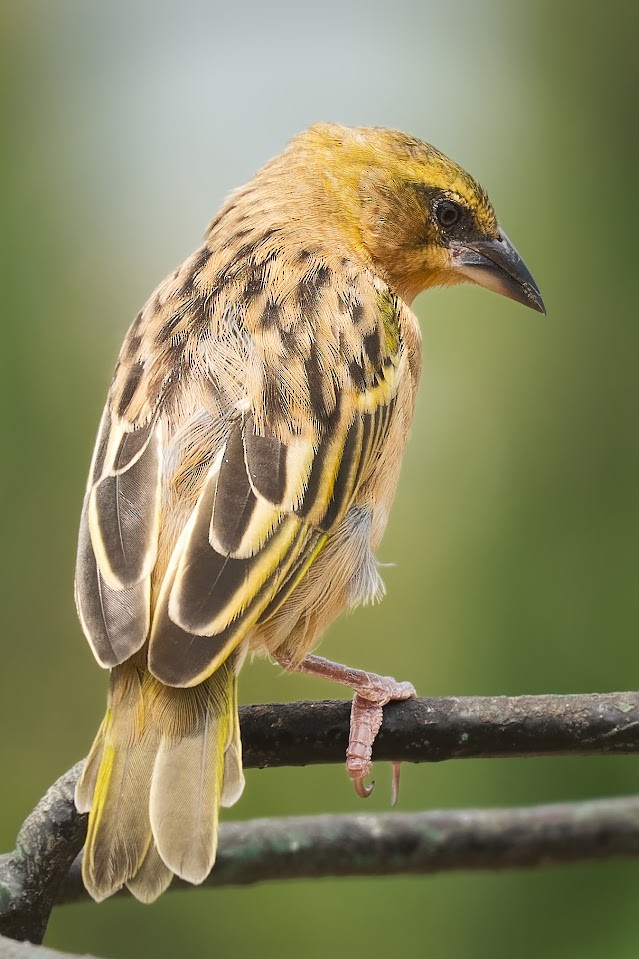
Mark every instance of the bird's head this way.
pixel 416 215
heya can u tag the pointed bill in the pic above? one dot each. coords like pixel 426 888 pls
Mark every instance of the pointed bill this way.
pixel 497 265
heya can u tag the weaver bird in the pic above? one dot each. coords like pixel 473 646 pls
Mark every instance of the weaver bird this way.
pixel 244 469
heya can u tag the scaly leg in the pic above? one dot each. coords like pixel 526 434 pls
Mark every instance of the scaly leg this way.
pixel 372 692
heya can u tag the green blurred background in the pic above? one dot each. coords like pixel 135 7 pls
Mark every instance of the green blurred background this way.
pixel 514 536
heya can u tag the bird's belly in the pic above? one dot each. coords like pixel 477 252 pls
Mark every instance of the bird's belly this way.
pixel 345 574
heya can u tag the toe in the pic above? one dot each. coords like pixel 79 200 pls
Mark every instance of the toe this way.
pixel 395 783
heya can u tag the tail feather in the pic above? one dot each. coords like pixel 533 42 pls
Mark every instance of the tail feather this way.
pixel 118 835
pixel 188 775
pixel 233 784
pixel 163 762
pixel 152 878
pixel 185 796
pixel 85 786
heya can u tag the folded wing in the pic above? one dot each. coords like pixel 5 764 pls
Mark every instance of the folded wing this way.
pixel 285 465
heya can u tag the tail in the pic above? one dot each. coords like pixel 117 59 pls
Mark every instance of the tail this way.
pixel 162 764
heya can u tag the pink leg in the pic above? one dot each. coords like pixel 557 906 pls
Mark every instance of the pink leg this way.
pixel 372 692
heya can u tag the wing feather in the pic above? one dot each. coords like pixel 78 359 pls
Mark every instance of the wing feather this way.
pixel 124 512
pixel 241 522
pixel 238 559
pixel 210 599
pixel 277 471
pixel 117 545
pixel 116 622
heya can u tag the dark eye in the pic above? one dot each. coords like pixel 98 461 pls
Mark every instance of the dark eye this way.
pixel 447 213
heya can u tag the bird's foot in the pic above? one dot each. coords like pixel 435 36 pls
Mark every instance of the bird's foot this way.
pixel 372 693
pixel 366 719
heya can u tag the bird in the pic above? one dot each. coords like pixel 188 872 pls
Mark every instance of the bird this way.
pixel 244 469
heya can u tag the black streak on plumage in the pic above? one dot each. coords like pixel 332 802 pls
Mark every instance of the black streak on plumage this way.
pixel 315 377
pixel 200 312
pixel 254 284
pixel 372 344
pixel 235 501
pixel 345 480
pixel 310 287
pixel 130 386
pixel 134 342
pixel 357 376
pixel 200 260
pixel 270 315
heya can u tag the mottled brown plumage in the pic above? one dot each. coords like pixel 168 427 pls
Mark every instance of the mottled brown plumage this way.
pixel 245 467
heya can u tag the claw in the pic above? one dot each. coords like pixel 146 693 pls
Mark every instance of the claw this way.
pixel 372 693
pixel 362 790
pixel 395 783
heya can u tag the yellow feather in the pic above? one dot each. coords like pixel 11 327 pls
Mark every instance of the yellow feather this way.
pixel 152 878
pixel 118 834
pixel 86 784
pixel 188 774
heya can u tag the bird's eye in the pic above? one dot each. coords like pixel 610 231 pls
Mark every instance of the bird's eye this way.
pixel 447 213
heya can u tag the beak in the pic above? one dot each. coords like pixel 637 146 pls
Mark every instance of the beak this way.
pixel 497 265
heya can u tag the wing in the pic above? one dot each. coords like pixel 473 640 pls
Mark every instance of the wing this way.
pixel 294 375
pixel 290 467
